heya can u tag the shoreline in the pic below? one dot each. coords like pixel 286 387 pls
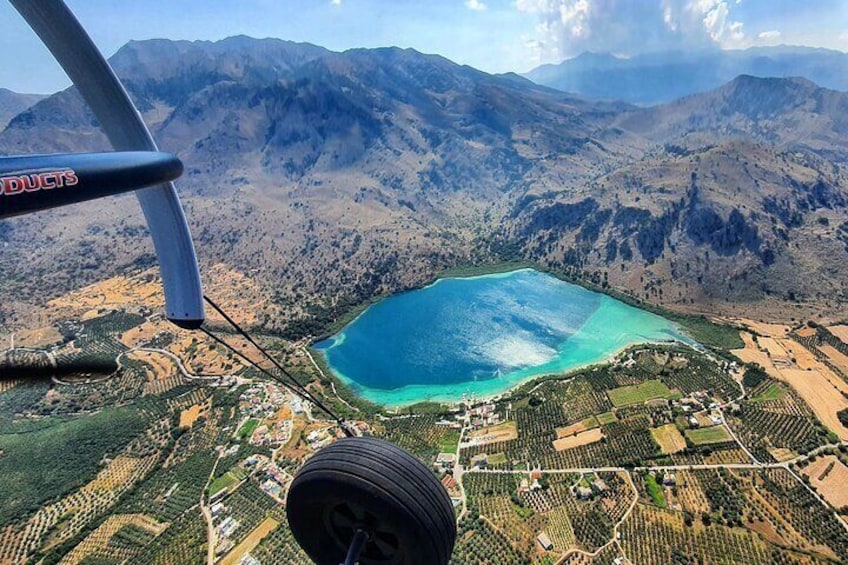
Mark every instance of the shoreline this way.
pixel 530 380
pixel 571 357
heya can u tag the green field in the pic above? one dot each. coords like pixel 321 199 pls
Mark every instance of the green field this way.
pixel 637 394
pixel 606 418
pixel 491 269
pixel 773 392
pixel 701 436
pixel 247 429
pixel 224 481
pixel 497 459
pixel 49 462
pixel 706 332
pixel 449 442
pixel 590 422
pixel 655 491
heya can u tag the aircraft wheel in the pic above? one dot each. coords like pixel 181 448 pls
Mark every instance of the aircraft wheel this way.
pixel 370 485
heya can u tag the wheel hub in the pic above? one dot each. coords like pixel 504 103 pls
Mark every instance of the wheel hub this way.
pixel 345 518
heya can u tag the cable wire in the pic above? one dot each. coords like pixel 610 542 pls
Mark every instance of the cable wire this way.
pixel 296 388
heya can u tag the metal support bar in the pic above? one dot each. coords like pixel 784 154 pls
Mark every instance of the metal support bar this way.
pixel 360 538
pixel 62 34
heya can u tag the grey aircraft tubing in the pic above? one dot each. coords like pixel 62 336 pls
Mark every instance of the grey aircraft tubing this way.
pixel 66 39
pixel 30 183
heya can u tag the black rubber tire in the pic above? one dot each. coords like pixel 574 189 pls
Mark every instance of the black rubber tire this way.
pixel 376 486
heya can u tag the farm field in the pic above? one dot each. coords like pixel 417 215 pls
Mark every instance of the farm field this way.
pixel 772 347
pixel 752 353
pixel 190 415
pixel 582 438
pixel 669 439
pixel 157 367
pixel 773 392
pixel 837 357
pixel 701 436
pixel 115 292
pixel 7 384
pixel 820 388
pixel 501 432
pixel 588 423
pixel 606 418
pixel 120 537
pixel 782 454
pixel 252 540
pixel 840 331
pixel 765 328
pixel 38 466
pixel 830 477
pixel 637 394
pixel 145 333
pixel 824 399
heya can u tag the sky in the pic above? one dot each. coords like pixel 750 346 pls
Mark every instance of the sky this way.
pixel 492 35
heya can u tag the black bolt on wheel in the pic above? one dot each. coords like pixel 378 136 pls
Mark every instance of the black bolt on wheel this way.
pixel 370 485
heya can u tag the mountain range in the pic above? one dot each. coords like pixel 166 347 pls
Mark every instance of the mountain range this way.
pixel 13 103
pixel 332 177
pixel 662 77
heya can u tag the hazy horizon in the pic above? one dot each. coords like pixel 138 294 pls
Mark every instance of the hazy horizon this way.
pixel 495 36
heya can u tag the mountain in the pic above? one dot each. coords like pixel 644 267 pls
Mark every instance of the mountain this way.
pixel 323 170
pixel 334 177
pixel 662 77
pixel 13 103
pixel 787 113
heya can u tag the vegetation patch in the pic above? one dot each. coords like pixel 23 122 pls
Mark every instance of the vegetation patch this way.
pixel 606 418
pixel 247 428
pixel 705 331
pixel 773 392
pixel 655 491
pixel 225 481
pixel 497 459
pixel 590 422
pixel 449 442
pixel 50 462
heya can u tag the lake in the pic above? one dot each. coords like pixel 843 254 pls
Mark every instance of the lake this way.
pixel 482 336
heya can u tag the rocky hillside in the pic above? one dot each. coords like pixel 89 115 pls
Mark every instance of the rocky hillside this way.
pixel 790 113
pixel 13 103
pixel 332 177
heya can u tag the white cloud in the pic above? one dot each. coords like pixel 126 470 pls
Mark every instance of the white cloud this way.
pixel 475 5
pixel 770 35
pixel 716 15
pixel 569 27
pixel 336 2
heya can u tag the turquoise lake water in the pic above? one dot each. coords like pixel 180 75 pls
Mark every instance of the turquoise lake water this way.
pixel 482 336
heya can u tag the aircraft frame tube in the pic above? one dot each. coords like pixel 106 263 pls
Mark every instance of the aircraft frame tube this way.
pixel 29 183
pixel 62 34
